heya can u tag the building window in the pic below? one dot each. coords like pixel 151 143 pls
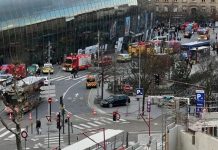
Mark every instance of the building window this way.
pixel 212 1
pixel 175 9
pixel 165 9
pixel 204 9
pixel 166 0
pixel 157 8
pixel 184 1
pixel 184 8
pixel 203 1
pixel 157 0
pixel 213 9
pixel 175 1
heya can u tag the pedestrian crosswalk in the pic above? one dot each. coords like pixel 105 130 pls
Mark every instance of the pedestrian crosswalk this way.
pixel 98 122
pixel 53 140
pixel 6 135
pixel 66 78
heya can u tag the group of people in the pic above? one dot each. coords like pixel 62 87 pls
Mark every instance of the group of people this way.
pixel 74 72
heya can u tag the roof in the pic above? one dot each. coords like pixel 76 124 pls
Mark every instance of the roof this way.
pixel 87 143
pixel 16 13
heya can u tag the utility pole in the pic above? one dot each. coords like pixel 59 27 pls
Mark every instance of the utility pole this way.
pixel 98 63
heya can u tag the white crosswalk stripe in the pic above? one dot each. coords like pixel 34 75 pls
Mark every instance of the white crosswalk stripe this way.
pixel 96 122
pixel 66 78
pixel 6 135
pixel 53 140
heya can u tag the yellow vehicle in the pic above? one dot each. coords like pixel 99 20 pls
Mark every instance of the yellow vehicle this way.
pixel 91 82
pixel 203 37
pixel 48 68
pixel 135 49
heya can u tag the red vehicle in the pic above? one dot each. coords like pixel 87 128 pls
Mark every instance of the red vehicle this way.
pixel 7 69
pixel 20 71
pixel 80 61
pixel 104 61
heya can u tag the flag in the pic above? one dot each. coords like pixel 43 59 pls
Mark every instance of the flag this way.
pixel 127 26
pixel 113 30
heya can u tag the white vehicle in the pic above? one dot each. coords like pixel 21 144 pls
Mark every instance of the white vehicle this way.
pixel 6 79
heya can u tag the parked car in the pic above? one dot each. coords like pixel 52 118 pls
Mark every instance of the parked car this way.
pixel 115 100
pixel 123 57
pixel 47 68
pixel 6 79
pixel 33 70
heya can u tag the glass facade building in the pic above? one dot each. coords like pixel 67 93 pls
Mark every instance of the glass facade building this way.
pixel 27 25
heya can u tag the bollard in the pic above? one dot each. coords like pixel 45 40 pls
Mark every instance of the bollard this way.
pixel 71 127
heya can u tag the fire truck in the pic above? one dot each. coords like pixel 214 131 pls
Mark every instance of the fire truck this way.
pixel 18 71
pixel 91 82
pixel 80 61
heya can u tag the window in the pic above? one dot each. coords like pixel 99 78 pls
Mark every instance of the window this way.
pixel 166 0
pixel 157 8
pixel 184 1
pixel 203 1
pixel 175 0
pixel 184 8
pixel 204 9
pixel 213 9
pixel 165 9
pixel 157 0
pixel 212 1
pixel 175 9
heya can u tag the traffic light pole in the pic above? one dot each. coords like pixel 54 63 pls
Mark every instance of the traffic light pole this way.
pixel 62 111
pixel 59 129
pixel 68 121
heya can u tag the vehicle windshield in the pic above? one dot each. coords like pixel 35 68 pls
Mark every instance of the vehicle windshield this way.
pixel 110 98
pixel 47 65
pixel 68 61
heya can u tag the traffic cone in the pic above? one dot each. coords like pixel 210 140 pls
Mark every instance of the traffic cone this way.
pixel 94 111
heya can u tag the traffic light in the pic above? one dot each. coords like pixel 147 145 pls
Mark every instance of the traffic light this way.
pixel 59 121
pixel 157 79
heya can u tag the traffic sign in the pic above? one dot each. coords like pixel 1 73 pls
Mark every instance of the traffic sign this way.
pixel 24 134
pixel 127 88
pixel 48 118
pixel 139 91
pixel 199 100
pixel 50 87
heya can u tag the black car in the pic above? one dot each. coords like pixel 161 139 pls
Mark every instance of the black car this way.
pixel 115 100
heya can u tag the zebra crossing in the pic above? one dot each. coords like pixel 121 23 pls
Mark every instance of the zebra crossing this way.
pixel 97 122
pixel 66 78
pixel 6 135
pixel 53 140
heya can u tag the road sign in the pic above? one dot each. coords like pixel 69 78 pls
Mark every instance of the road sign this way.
pixel 24 134
pixel 139 91
pixel 199 100
pixel 127 88
pixel 50 87
pixel 48 118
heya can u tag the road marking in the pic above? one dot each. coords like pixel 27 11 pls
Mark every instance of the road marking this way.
pixel 81 118
pixel 56 78
pixel 5 133
pixel 106 121
pixel 78 127
pixel 13 135
pixel 98 122
pixel 111 119
pixel 86 126
pixel 2 129
pixel 62 78
pixel 92 124
pixel 55 137
pixel 123 120
pixel 80 77
pixel 70 88
pixel 77 94
pixel 155 124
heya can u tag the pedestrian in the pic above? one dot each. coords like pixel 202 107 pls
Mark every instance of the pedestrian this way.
pixel 76 72
pixel 73 72
pixel 38 127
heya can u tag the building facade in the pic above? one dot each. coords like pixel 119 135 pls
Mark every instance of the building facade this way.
pixel 183 10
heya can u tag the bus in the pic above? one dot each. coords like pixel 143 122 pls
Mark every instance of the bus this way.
pixel 194 51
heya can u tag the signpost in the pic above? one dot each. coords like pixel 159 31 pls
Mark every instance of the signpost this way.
pixel 139 94
pixel 47 91
pixel 200 100
pixel 24 135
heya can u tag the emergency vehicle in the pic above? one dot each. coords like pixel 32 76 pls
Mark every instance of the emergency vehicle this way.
pixel 79 61
pixel 91 82
pixel 18 71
